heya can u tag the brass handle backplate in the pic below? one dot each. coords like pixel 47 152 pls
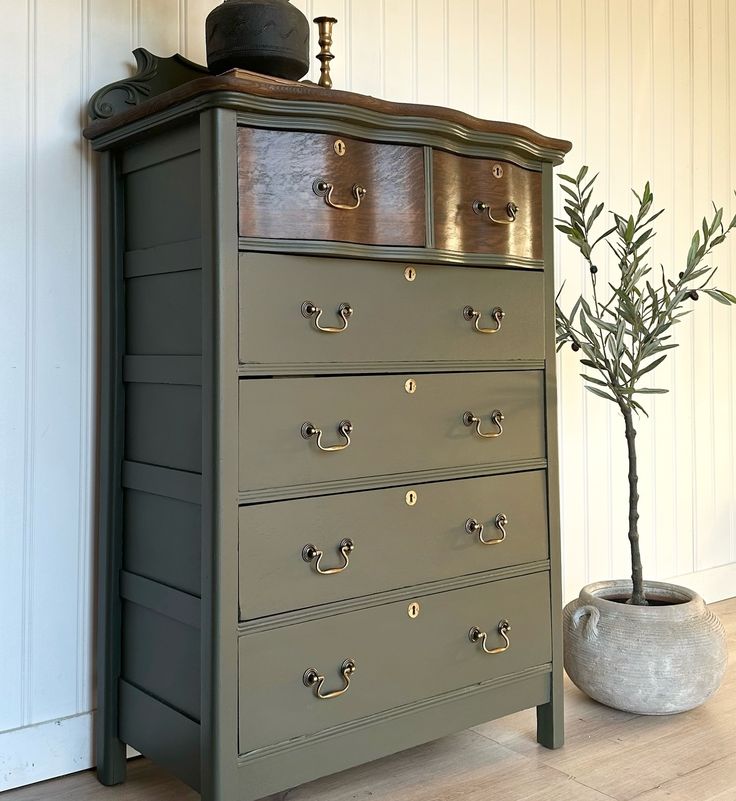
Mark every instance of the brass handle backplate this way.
pixel 316 680
pixel 344 428
pixel 476 635
pixel 485 208
pixel 472 526
pixel 314 313
pixel 312 554
pixel 470 314
pixel 497 418
pixel 325 189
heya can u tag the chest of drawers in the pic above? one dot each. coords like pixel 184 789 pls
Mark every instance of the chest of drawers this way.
pixel 328 481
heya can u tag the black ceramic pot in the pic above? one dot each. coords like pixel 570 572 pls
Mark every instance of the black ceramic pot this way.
pixel 267 36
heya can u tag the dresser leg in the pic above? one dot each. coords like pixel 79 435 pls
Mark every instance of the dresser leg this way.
pixel 112 764
pixel 551 723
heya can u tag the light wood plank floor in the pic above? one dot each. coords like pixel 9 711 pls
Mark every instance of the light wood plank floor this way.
pixel 608 755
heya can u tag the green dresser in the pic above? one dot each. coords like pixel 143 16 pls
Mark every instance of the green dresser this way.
pixel 328 485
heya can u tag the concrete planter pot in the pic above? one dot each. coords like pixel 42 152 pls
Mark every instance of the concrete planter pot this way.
pixel 653 660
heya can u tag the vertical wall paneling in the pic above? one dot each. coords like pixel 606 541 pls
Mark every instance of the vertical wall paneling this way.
pixel 195 12
pixel 54 443
pixel 573 466
pixel 431 52
pixel 731 83
pixel 159 25
pixel 662 155
pixel 364 52
pixel 642 146
pixel 87 429
pixel 616 184
pixel 490 36
pixel 16 262
pixel 646 89
pixel 463 77
pixel 601 515
pixel 520 61
pixel 546 77
pixel 702 319
pixel 683 210
pixel 399 44
pixel 718 546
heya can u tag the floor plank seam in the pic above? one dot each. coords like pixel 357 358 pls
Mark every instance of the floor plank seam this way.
pixel 671 782
pixel 602 792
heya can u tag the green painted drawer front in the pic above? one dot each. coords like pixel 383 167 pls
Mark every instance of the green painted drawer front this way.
pixel 398 659
pixel 394 431
pixel 397 543
pixel 393 319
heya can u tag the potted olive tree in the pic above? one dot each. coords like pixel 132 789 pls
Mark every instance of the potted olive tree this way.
pixel 638 645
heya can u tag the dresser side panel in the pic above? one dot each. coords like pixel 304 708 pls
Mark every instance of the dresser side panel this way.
pixel 161 533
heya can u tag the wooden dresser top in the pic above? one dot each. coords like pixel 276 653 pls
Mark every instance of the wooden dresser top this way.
pixel 166 88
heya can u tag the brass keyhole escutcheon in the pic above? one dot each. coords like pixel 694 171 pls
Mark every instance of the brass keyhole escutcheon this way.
pixel 413 610
pixel 340 147
pixel 410 386
pixel 497 171
pixel 410 273
pixel 411 498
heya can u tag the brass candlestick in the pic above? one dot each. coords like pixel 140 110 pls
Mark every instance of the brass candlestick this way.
pixel 325 55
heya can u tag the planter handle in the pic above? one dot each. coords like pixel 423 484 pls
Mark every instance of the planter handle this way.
pixel 590 631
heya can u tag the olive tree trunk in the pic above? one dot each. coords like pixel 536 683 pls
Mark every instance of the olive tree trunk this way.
pixel 637 578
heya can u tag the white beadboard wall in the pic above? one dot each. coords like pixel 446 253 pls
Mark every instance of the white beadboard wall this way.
pixel 644 89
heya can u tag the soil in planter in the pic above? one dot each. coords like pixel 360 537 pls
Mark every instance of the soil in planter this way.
pixel 622 599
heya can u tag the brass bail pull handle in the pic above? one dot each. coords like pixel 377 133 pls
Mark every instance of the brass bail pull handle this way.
pixel 314 313
pixel 344 428
pixel 472 526
pixel 476 635
pixel 479 207
pixel 312 554
pixel 316 681
pixel 497 313
pixel 497 418
pixel 325 189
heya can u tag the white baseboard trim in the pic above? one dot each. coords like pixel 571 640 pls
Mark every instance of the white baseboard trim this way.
pixel 714 584
pixel 48 750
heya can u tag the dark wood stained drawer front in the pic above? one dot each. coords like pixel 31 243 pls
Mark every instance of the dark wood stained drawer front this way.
pixel 392 319
pixel 462 183
pixel 401 536
pixel 394 430
pixel 398 659
pixel 296 185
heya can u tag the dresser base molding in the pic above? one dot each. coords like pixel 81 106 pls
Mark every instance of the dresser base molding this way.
pixel 307 758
